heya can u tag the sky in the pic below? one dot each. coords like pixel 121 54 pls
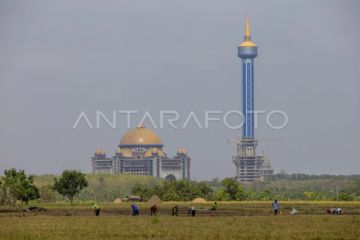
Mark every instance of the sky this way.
pixel 61 58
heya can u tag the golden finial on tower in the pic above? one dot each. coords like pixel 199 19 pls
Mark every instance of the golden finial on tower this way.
pixel 247 28
pixel 247 38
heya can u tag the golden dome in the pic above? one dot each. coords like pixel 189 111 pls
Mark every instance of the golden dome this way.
pixel 126 152
pixel 182 151
pixel 247 44
pixel 141 136
pixel 100 152
pixel 157 151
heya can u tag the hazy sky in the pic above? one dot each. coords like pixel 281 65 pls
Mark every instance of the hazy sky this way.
pixel 58 58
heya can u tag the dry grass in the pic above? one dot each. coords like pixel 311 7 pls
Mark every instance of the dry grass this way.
pixel 167 227
pixel 81 224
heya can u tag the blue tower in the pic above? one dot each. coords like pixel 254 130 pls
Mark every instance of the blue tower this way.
pixel 247 51
pixel 249 166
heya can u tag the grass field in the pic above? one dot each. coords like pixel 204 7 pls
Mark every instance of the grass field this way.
pixel 234 220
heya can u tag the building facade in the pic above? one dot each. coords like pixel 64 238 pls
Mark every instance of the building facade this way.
pixel 141 152
pixel 249 165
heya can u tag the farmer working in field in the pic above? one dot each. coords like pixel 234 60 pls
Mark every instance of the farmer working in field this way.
pixel 153 210
pixel 192 211
pixel 337 211
pixel 276 207
pixel 96 209
pixel 135 209
pixel 175 210
pixel 213 209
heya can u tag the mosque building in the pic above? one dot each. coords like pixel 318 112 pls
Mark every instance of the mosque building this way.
pixel 141 152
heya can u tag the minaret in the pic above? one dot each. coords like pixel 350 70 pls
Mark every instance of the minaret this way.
pixel 249 166
pixel 247 51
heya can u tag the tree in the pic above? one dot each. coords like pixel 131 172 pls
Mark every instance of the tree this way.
pixel 142 191
pixel 2 194
pixel 343 196
pixel 231 187
pixel 175 190
pixel 70 183
pixel 205 190
pixel 223 196
pixel 241 195
pixel 29 192
pixel 17 186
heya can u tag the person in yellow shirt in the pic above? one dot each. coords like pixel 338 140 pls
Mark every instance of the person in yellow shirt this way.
pixel 96 209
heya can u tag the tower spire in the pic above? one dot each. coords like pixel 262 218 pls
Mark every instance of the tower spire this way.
pixel 247 28
pixel 247 38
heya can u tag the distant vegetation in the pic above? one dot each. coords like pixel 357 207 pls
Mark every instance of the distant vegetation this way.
pixel 108 187
pixel 101 187
pixel 308 187
pixel 15 185
pixel 175 190
pixel 105 187
pixel 70 184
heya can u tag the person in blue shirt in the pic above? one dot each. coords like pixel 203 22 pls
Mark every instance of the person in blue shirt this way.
pixel 135 210
pixel 276 207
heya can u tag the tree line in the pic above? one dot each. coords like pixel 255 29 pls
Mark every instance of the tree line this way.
pixel 16 186
pixel 229 189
